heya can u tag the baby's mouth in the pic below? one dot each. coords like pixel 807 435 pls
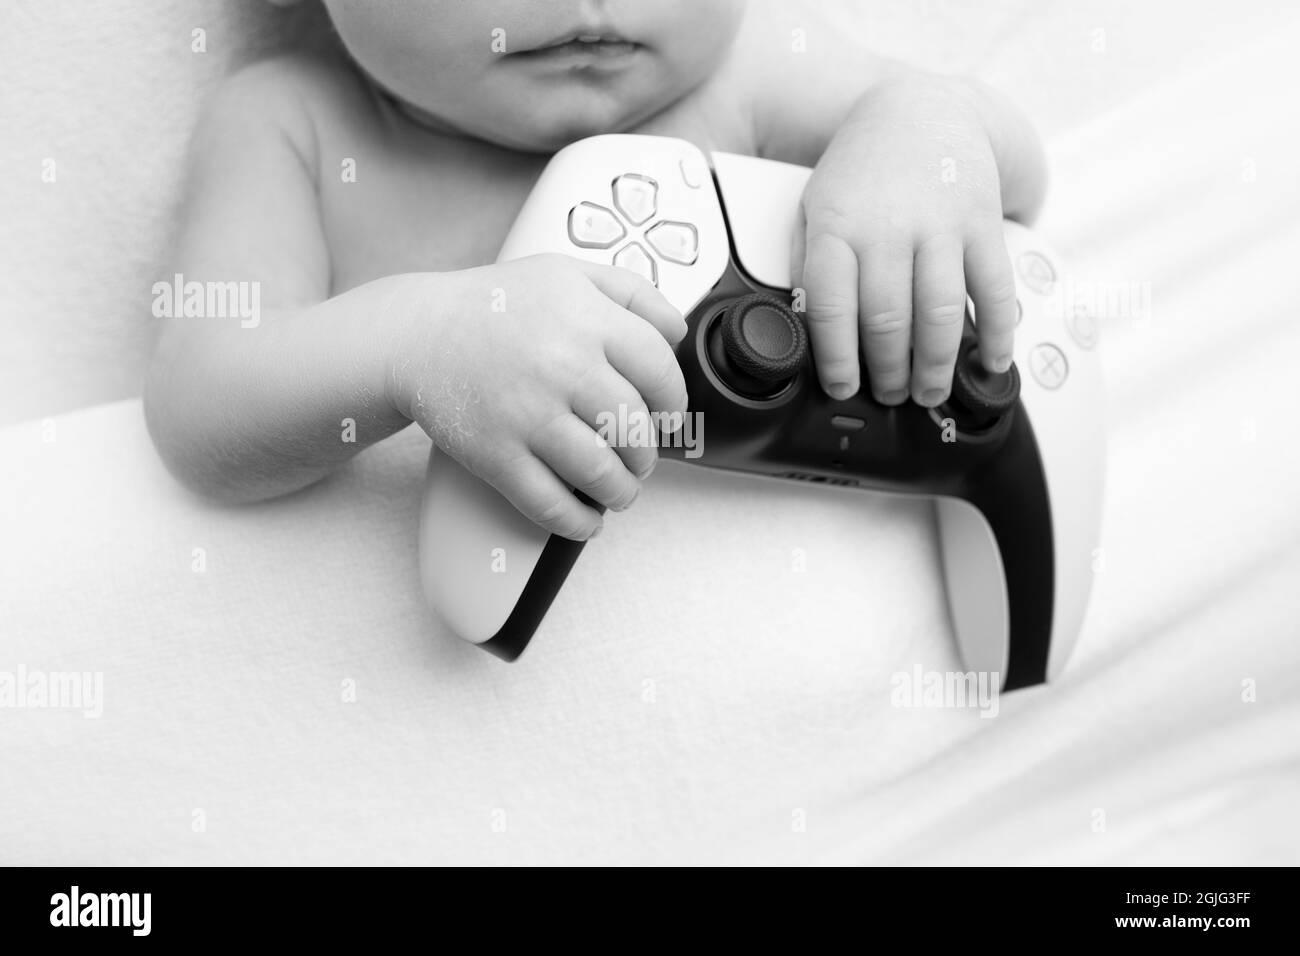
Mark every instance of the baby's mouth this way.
pixel 582 49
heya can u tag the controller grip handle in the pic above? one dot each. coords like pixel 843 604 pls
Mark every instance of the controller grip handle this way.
pixel 999 565
pixel 485 569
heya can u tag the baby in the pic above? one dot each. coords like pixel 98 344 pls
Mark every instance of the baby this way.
pixel 367 188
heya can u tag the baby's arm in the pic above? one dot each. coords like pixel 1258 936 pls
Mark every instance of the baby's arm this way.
pixel 914 174
pixel 248 413
pixel 243 413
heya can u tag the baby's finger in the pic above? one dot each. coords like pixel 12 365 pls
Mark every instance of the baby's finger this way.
pixel 638 296
pixel 610 404
pixel 543 499
pixel 886 305
pixel 830 277
pixel 992 288
pixel 648 362
pixel 939 312
pixel 797 252
pixel 583 459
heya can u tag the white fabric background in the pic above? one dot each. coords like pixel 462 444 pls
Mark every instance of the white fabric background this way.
pixel 690 696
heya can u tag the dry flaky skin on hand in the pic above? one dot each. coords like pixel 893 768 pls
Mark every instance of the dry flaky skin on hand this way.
pixel 450 421
pixel 951 170
pixel 443 393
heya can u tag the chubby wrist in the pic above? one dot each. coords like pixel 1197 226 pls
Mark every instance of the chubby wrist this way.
pixel 960 111
pixel 908 91
pixel 411 313
pixel 952 110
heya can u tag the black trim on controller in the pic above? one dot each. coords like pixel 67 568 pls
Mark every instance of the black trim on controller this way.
pixel 1012 496
pixel 553 565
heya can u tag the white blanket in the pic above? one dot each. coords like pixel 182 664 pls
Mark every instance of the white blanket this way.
pixel 273 690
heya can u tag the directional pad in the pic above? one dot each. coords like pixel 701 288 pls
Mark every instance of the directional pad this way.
pixel 675 241
pixel 636 203
pixel 594 227
pixel 635 196
pixel 633 256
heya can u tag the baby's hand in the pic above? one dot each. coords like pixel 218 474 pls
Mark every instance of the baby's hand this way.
pixel 904 219
pixel 508 367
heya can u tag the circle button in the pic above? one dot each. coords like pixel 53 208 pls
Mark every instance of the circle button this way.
pixel 1082 326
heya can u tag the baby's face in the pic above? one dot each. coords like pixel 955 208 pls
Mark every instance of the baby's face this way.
pixel 536 75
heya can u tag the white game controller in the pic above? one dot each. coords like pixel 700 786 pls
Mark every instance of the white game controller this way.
pixel 1018 493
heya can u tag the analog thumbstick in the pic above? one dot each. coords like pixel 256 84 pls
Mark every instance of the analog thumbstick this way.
pixel 980 397
pixel 758 346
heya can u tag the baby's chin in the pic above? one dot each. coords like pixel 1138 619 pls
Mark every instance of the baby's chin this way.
pixel 542 121
pixel 548 134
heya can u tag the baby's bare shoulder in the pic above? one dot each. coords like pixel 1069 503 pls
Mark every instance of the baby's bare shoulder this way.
pixel 301 96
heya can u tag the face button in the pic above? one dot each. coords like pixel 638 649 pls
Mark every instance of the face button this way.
pixel 1048 365
pixel 635 195
pixel 1037 272
pixel 1082 326
pixel 634 257
pixel 594 227
pixel 675 241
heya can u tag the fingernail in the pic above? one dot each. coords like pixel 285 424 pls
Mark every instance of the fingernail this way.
pixel 647 472
pixel 596 533
pixel 1002 363
pixel 896 397
pixel 839 391
pixel 932 396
